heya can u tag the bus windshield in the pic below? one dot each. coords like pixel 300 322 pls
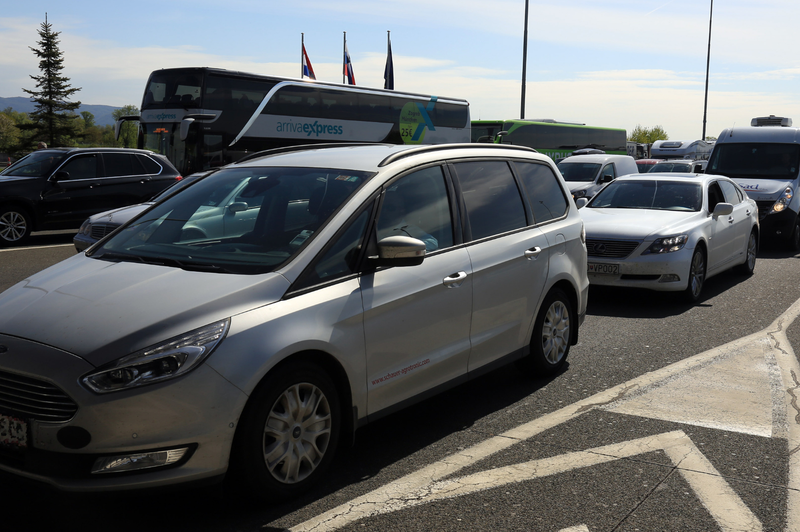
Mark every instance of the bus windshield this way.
pixel 755 160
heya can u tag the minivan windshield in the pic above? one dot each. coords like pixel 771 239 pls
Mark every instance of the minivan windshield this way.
pixel 649 194
pixel 238 220
pixel 756 160
pixel 579 171
pixel 36 164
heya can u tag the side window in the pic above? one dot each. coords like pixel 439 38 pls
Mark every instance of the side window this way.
pixel 715 196
pixel 545 195
pixel 731 194
pixel 493 201
pixel 81 167
pixel 120 164
pixel 416 205
pixel 608 173
pixel 340 258
pixel 150 166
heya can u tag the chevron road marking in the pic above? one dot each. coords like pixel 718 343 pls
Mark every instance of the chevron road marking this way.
pixel 712 490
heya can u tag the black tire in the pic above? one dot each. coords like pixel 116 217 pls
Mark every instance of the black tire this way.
pixel 288 433
pixel 749 264
pixel 794 240
pixel 15 226
pixel 552 336
pixel 697 275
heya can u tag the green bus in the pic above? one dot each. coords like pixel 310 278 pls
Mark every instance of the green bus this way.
pixel 556 139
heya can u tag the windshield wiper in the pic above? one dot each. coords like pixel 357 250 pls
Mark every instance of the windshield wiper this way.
pixel 163 261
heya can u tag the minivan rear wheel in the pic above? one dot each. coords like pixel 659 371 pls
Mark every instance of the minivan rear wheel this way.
pixel 552 335
pixel 288 433
pixel 15 226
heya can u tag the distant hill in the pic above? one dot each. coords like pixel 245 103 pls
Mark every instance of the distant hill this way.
pixel 102 113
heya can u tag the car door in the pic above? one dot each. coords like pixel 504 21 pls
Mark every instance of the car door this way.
pixel 740 218
pixel 509 259
pixel 71 193
pixel 417 318
pixel 722 233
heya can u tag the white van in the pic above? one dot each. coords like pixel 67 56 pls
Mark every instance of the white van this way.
pixel 765 160
pixel 587 174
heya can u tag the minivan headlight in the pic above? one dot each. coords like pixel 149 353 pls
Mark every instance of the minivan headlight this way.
pixel 166 360
pixel 784 201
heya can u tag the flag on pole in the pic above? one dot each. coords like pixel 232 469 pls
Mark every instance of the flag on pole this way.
pixel 348 67
pixel 388 72
pixel 308 70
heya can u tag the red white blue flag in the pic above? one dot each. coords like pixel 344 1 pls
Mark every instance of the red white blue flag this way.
pixel 348 68
pixel 308 70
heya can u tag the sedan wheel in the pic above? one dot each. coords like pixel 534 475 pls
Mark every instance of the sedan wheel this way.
pixel 551 336
pixel 289 432
pixel 749 264
pixel 15 226
pixel 697 275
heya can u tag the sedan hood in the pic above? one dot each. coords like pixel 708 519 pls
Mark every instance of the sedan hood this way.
pixel 636 224
pixel 119 216
pixel 763 189
pixel 103 310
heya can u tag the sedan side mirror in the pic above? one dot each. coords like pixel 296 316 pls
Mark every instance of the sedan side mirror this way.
pixel 581 202
pixel 59 176
pixel 722 209
pixel 399 251
pixel 237 206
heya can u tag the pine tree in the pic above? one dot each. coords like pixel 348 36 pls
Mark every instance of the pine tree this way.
pixel 53 117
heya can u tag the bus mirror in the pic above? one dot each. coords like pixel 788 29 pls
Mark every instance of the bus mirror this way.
pixel 121 120
pixel 500 136
pixel 186 123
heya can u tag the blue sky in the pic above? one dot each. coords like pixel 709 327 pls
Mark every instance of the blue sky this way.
pixel 615 63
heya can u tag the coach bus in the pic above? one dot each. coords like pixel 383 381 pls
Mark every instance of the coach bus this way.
pixel 207 117
pixel 556 139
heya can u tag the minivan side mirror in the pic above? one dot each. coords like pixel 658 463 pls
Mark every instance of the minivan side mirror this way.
pixel 581 202
pixel 237 206
pixel 399 251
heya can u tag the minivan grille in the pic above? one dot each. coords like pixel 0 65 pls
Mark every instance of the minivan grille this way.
pixel 101 230
pixel 34 399
pixel 764 207
pixel 612 249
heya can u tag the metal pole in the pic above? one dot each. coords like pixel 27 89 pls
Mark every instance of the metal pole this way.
pixel 708 65
pixel 344 55
pixel 524 62
pixel 302 47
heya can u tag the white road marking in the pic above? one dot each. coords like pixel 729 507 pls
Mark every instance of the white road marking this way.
pixel 716 495
pixel 579 528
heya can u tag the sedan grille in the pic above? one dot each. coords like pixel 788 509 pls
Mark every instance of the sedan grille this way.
pixel 34 399
pixel 612 249
pixel 101 230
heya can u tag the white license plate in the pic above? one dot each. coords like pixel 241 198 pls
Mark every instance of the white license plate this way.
pixel 13 432
pixel 603 269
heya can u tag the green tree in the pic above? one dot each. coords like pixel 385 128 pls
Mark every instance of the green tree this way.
pixel 129 131
pixel 645 135
pixel 53 116
pixel 88 119
pixel 9 134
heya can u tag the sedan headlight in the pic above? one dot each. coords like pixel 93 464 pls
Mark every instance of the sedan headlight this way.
pixel 86 228
pixel 160 362
pixel 667 244
pixel 784 201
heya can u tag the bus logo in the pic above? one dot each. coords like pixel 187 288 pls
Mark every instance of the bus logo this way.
pixel 414 119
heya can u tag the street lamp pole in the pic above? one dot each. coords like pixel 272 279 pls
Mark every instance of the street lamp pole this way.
pixel 708 64
pixel 524 62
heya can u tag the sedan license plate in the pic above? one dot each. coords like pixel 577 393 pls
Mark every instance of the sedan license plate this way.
pixel 13 433
pixel 603 269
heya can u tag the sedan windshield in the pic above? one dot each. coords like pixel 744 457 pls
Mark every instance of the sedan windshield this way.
pixel 658 195
pixel 36 164
pixel 579 171
pixel 239 220
pixel 671 167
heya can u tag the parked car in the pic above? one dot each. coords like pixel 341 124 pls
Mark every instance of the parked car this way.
pixel 669 231
pixel 370 277
pixel 644 165
pixel 586 174
pixel 59 188
pixel 681 166
pixel 99 225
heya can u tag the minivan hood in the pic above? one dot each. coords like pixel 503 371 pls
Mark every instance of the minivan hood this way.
pixel 763 189
pixel 104 310
pixel 635 224
pixel 578 185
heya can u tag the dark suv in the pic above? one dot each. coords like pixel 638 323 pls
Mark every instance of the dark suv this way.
pixel 59 188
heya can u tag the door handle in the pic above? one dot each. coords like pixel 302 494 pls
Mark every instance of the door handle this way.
pixel 455 280
pixel 533 252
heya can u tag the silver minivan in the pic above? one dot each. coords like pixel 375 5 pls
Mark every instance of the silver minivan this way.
pixel 340 284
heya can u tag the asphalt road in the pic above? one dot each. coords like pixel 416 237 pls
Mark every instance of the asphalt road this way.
pixel 668 417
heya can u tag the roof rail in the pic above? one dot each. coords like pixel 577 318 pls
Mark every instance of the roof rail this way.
pixel 301 147
pixel 437 147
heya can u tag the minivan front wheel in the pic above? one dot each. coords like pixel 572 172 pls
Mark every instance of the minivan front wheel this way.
pixel 288 433
pixel 15 226
pixel 551 338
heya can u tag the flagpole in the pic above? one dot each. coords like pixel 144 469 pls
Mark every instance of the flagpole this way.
pixel 302 47
pixel 344 56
